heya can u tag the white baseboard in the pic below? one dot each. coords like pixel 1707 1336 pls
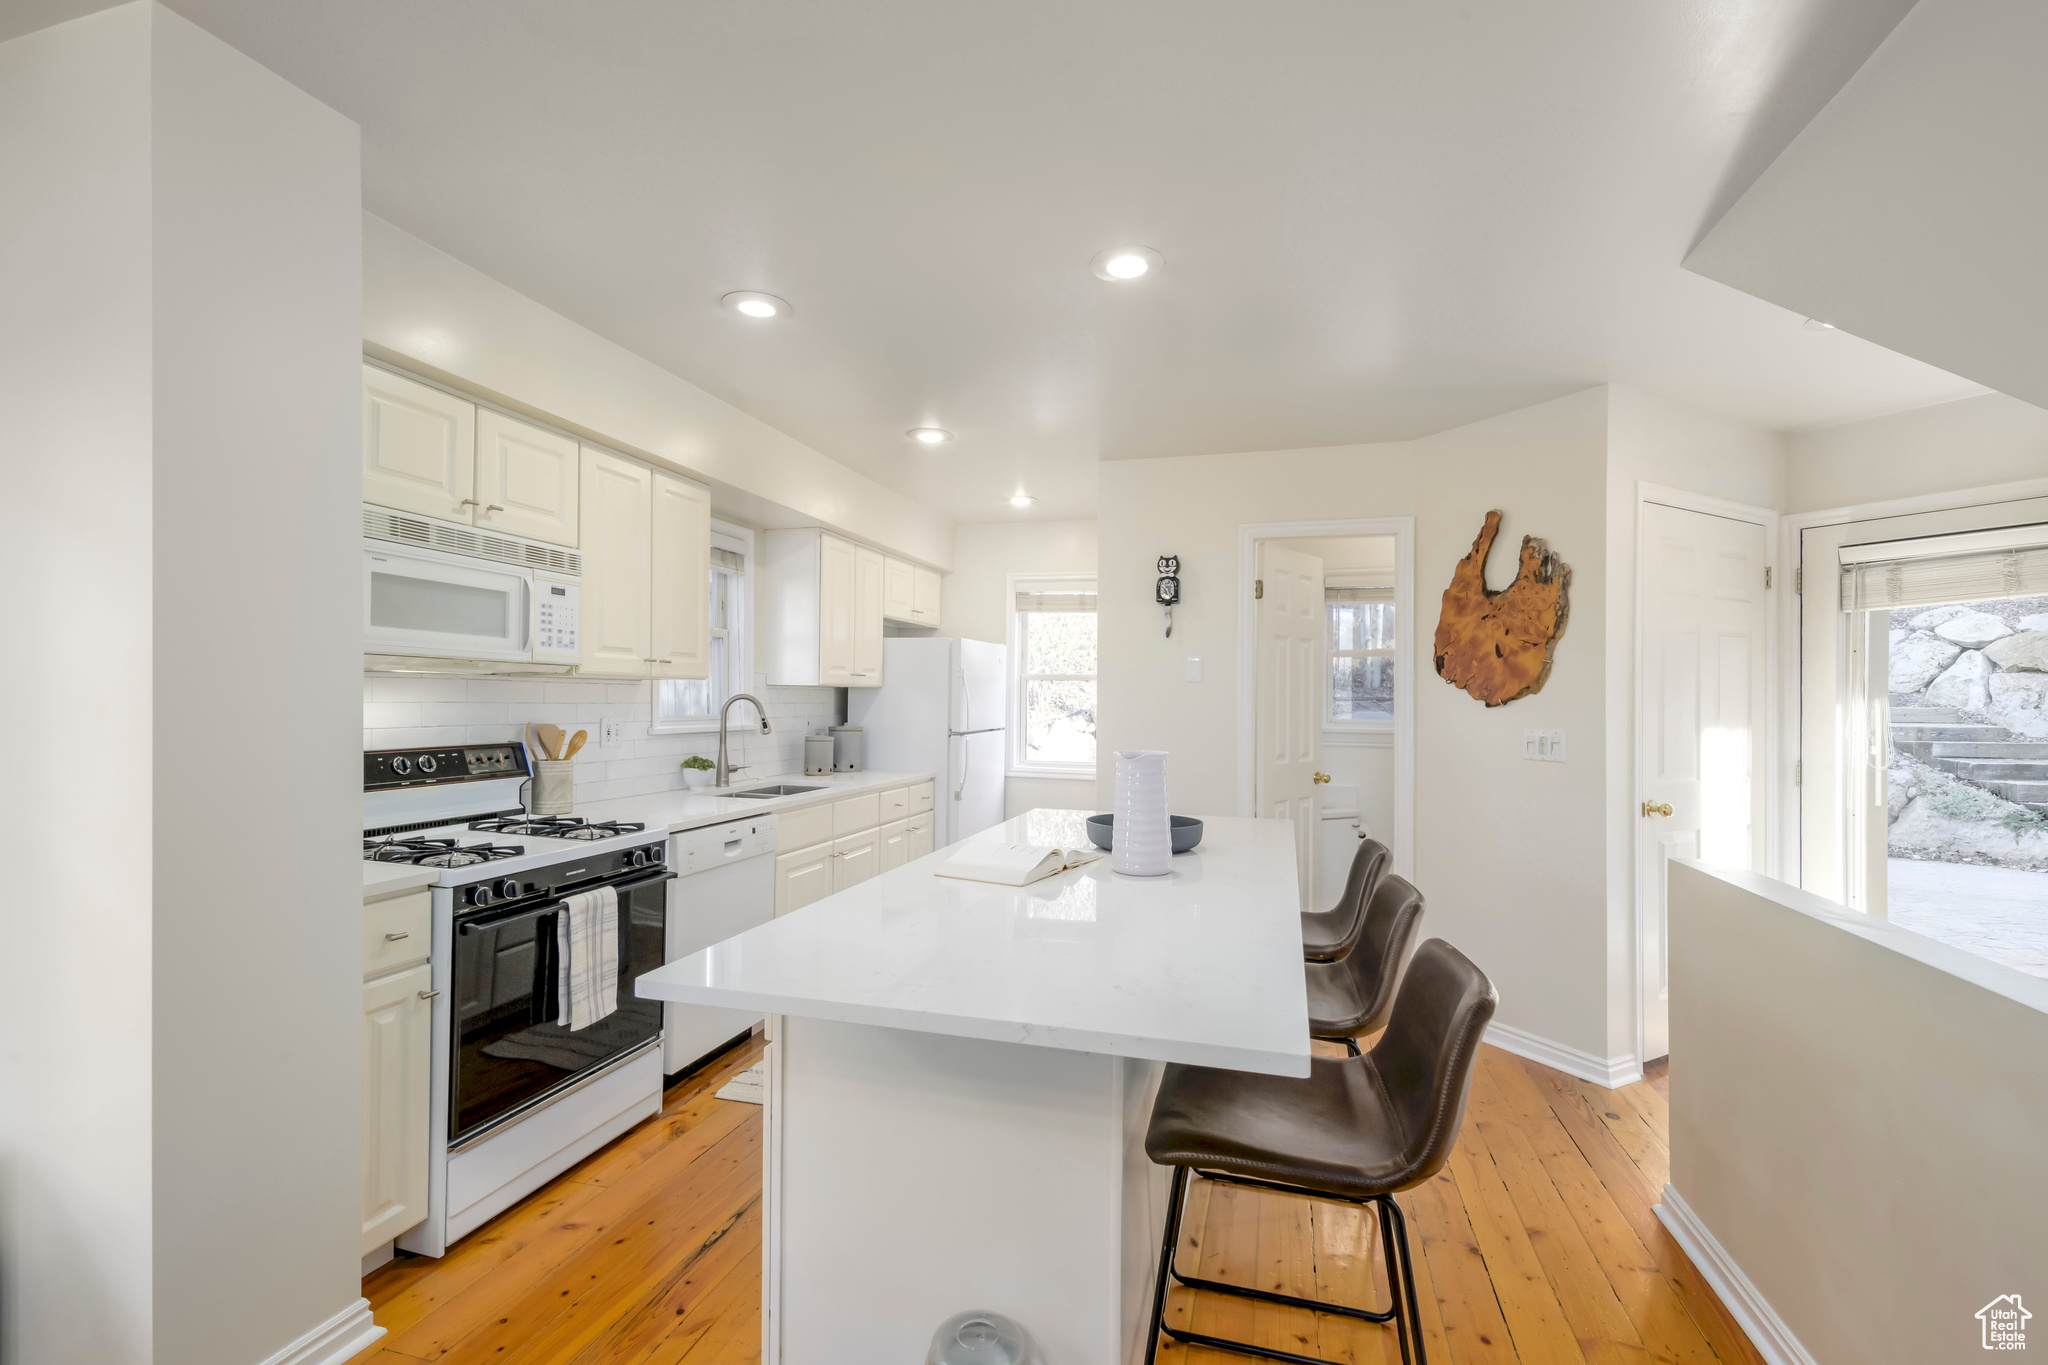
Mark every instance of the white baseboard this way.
pixel 1750 1309
pixel 1610 1072
pixel 339 1339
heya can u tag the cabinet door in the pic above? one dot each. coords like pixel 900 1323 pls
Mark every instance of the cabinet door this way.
pixel 419 447
pixel 526 479
pixel 869 567
pixel 398 1041
pixel 919 837
pixel 856 859
pixel 836 630
pixel 682 578
pixel 617 517
pixel 899 589
pixel 895 846
pixel 803 877
pixel 924 596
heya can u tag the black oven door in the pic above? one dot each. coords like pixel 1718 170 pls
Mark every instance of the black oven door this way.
pixel 508 1053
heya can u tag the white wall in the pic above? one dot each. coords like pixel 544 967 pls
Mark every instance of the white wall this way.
pixel 75 385
pixel 1970 443
pixel 181 1126
pixel 1510 854
pixel 1856 1118
pixel 426 310
pixel 984 557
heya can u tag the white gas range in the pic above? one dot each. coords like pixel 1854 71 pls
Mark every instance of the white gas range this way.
pixel 517 1097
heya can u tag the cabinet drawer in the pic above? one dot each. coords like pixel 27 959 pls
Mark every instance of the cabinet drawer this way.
pixel 802 828
pixel 895 804
pixel 397 932
pixel 856 813
pixel 920 798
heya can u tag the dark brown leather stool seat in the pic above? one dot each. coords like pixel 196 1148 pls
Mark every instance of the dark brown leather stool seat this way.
pixel 1352 996
pixel 1327 935
pixel 1358 1129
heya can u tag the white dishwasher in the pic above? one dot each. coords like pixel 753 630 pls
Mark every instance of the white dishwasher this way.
pixel 724 886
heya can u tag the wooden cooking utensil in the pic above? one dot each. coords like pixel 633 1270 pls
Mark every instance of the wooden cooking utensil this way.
pixel 576 742
pixel 551 741
pixel 533 744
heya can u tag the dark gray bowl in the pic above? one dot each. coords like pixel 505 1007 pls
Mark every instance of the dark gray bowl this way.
pixel 1187 831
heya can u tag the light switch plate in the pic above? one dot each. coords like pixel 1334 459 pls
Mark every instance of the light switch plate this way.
pixel 610 733
pixel 1194 670
pixel 1543 746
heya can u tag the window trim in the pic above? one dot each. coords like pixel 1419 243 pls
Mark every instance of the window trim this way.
pixel 1333 728
pixel 1014 764
pixel 739 639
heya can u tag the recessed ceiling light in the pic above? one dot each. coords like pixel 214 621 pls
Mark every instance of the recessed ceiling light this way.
pixel 931 436
pixel 1022 500
pixel 760 307
pixel 1122 264
pixel 1816 325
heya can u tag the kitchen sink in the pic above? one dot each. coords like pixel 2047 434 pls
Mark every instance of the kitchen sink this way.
pixel 780 789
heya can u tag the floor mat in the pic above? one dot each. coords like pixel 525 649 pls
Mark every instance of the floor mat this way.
pixel 749 1087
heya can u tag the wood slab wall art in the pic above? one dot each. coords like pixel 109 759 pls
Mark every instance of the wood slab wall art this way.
pixel 1497 645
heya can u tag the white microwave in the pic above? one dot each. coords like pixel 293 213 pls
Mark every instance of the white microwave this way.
pixel 428 604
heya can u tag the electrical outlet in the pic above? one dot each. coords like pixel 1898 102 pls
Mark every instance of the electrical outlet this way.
pixel 1543 746
pixel 610 734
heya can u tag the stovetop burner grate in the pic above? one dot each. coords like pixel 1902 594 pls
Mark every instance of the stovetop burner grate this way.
pixel 556 827
pixel 436 852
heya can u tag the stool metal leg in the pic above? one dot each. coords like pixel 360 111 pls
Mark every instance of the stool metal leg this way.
pixel 1174 1202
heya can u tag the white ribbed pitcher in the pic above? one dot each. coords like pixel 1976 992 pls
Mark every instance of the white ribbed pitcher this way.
pixel 1141 837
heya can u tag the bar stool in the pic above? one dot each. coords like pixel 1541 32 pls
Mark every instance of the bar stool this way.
pixel 1327 935
pixel 1350 997
pixel 1358 1130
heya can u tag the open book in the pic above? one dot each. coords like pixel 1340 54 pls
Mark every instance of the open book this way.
pixel 985 860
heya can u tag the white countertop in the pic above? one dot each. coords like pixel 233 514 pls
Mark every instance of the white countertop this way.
pixel 1202 965
pixel 681 810
pixel 385 879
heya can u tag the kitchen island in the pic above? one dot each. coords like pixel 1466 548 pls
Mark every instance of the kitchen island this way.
pixel 960 1074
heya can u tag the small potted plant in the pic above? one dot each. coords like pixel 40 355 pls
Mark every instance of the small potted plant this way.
pixel 697 772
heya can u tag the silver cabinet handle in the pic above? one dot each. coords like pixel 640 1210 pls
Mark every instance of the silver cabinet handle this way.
pixel 393 938
pixel 492 507
pixel 469 502
pixel 428 995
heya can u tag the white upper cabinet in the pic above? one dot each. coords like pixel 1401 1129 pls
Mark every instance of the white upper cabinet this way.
pixel 618 574
pixel 868 567
pixel 526 479
pixel 838 598
pixel 682 578
pixel 419 447
pixel 821 610
pixel 924 596
pixel 899 589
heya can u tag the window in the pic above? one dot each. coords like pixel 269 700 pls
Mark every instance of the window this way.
pixel 693 704
pixel 1361 653
pixel 1052 687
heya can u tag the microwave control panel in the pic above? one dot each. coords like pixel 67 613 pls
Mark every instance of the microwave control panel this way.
pixel 557 615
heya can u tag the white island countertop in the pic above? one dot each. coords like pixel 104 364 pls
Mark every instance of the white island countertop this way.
pixel 1202 965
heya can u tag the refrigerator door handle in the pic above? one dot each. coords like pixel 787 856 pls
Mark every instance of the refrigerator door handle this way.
pixel 959 785
pixel 966 698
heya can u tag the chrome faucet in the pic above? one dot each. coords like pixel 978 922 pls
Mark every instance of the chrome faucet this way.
pixel 722 774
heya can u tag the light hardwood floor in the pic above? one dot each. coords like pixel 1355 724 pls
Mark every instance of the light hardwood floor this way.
pixel 1536 1244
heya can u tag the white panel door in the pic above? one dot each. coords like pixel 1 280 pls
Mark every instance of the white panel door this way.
pixel 1291 687
pixel 836 591
pixel 869 570
pixel 857 857
pixel 681 590
pixel 895 846
pixel 526 479
pixel 398 1044
pixel 918 836
pixel 803 876
pixel 924 601
pixel 419 447
pixel 1704 718
pixel 899 590
pixel 617 512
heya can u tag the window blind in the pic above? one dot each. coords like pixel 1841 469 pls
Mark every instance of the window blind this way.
pixel 732 561
pixel 1337 595
pixel 2011 561
pixel 1055 601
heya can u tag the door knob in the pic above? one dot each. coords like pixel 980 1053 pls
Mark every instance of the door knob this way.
pixel 1321 778
pixel 1656 808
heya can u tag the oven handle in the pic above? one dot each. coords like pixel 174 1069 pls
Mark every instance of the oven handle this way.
pixel 478 926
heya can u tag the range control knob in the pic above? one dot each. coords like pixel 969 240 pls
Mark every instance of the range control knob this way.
pixel 401 765
pixel 509 888
pixel 654 855
pixel 638 857
pixel 479 895
pixel 428 763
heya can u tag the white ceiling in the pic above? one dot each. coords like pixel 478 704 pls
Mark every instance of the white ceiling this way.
pixel 1380 218
pixel 1911 210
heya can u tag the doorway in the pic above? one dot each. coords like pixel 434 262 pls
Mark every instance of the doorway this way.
pixel 1703 711
pixel 1325 666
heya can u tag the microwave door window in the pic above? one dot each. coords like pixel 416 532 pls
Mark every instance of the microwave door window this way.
pixel 435 607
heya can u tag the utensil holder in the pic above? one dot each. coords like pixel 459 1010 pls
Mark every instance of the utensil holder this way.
pixel 554 786
pixel 1141 837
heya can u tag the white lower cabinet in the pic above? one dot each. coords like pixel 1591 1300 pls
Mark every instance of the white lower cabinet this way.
pixel 895 843
pixel 871 837
pixel 917 836
pixel 858 858
pixel 397 1060
pixel 803 876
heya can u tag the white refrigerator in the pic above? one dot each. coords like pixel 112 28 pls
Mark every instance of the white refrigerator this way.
pixel 941 709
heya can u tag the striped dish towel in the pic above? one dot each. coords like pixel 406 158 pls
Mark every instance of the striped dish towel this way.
pixel 587 957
